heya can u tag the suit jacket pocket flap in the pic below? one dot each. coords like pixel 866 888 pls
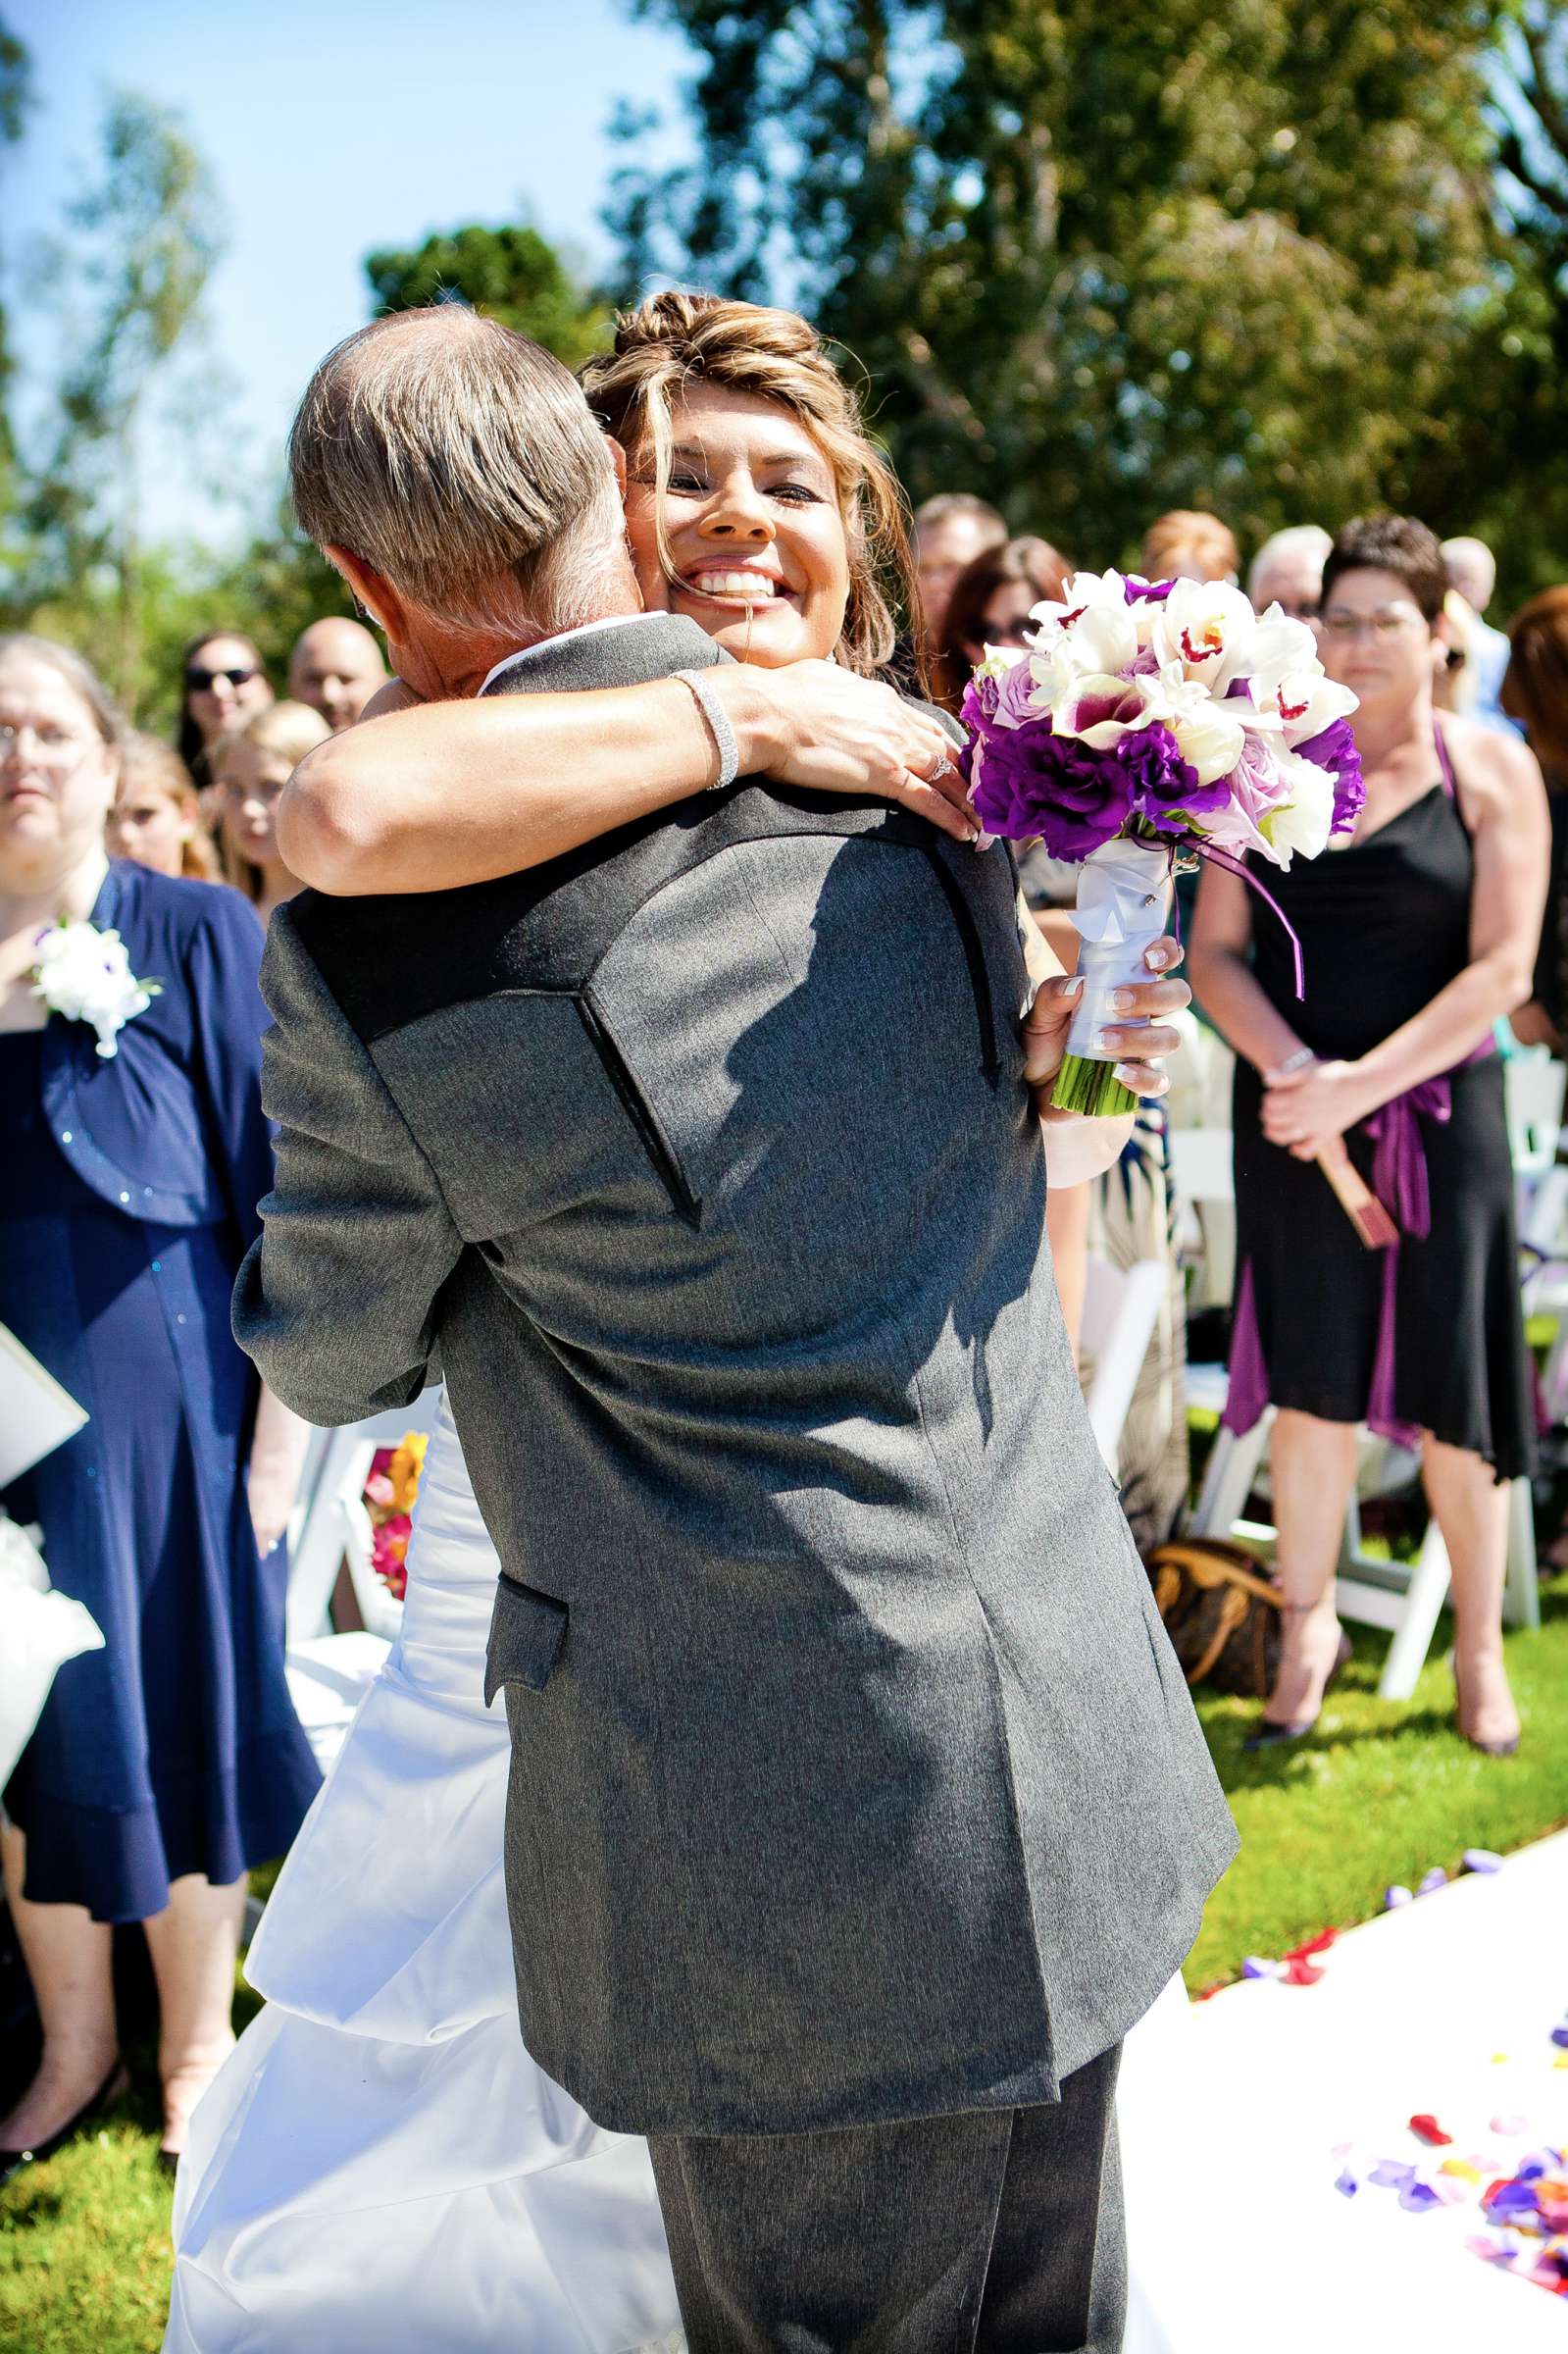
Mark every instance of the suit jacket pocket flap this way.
pixel 527 1632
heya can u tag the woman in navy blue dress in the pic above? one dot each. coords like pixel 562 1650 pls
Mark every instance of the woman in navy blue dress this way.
pixel 168 1761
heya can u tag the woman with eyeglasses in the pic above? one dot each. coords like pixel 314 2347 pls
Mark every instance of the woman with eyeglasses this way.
pixel 1418 935
pixel 135 1152
pixel 991 605
pixel 223 681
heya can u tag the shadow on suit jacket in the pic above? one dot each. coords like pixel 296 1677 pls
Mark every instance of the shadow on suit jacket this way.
pixel 853 1777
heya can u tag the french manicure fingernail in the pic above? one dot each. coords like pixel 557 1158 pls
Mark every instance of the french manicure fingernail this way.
pixel 1157 960
pixel 1074 987
pixel 1122 1001
pixel 1130 1076
pixel 1108 1040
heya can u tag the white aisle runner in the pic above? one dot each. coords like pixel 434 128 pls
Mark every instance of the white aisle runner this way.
pixel 1231 2111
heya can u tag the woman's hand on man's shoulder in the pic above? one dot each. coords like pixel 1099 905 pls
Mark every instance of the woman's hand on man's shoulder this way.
pixel 823 727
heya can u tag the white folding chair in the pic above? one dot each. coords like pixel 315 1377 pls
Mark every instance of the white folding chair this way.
pixel 1403 1598
pixel 1205 1196
pixel 329 1675
pixel 1533 1083
pixel 335 1525
pixel 1121 1309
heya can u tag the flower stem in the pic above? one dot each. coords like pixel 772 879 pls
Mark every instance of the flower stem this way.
pixel 1092 1088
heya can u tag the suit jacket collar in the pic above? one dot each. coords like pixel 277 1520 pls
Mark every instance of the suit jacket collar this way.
pixel 649 647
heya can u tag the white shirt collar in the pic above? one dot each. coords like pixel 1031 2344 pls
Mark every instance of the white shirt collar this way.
pixel 606 621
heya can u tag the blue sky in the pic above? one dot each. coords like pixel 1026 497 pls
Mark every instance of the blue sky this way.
pixel 331 129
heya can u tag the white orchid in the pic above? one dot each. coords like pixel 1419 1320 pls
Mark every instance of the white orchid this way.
pixel 1302 703
pixel 1209 628
pixel 1299 826
pixel 1210 735
pixel 1100 709
pixel 1090 622
pixel 84 975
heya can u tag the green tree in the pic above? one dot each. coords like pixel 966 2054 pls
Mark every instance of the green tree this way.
pixel 511 274
pixel 1519 407
pixel 16 96
pixel 1099 263
pixel 144 240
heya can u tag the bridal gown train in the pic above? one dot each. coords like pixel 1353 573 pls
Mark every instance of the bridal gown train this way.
pixel 379 2168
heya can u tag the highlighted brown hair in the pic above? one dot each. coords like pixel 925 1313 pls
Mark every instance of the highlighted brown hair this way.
pixel 674 339
pixel 1189 536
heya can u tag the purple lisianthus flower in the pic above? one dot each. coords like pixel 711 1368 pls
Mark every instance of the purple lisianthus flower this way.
pixel 1151 592
pixel 1165 787
pixel 979 702
pixel 1334 749
pixel 1034 782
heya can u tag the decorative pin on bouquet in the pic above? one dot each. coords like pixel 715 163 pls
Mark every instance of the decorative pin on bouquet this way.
pixel 1152 721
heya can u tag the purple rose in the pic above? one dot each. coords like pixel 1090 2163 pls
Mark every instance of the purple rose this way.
pixel 979 702
pixel 1334 749
pixel 1165 787
pixel 1032 782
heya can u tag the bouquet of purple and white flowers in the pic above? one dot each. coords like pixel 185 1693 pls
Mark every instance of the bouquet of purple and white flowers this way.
pixel 1147 720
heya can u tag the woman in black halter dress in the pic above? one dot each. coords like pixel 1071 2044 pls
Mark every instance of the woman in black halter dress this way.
pixel 1416 937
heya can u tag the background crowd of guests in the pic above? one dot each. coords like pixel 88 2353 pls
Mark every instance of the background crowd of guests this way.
pixel 170 1762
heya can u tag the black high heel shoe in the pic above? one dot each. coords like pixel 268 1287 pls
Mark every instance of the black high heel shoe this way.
pixel 1269 1735
pixel 116 2083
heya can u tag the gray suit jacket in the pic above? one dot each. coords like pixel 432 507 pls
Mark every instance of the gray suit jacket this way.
pixel 853 1777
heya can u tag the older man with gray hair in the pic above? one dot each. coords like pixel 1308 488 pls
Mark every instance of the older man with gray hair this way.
pixel 1473 571
pixel 1288 571
pixel 858 1803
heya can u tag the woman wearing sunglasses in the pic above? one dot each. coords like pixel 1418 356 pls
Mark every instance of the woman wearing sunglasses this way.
pixel 223 681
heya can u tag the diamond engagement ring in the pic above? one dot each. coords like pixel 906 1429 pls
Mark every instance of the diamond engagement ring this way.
pixel 943 768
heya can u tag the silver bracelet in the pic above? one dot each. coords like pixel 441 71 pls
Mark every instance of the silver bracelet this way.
pixel 723 734
pixel 1294 1062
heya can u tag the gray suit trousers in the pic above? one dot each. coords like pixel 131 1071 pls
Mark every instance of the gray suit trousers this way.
pixel 997 2231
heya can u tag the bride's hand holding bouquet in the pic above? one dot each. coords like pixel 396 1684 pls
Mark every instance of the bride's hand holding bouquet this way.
pixel 1150 721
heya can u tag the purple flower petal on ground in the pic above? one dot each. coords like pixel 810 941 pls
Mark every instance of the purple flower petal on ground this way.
pixel 1433 1880
pixel 1334 749
pixel 1032 782
pixel 1481 1858
pixel 1395 1896
pixel 1390 2174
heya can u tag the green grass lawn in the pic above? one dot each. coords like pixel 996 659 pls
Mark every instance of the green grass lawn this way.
pixel 1379 1794
pixel 1382 1792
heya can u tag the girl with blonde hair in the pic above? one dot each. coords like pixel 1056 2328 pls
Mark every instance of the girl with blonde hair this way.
pixel 251 765
pixel 156 819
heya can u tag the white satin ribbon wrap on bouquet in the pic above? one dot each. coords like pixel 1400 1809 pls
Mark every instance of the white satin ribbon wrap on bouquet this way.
pixel 1124 902
pixel 42 1630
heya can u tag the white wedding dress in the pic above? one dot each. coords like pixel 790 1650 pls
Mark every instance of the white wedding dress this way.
pixel 379 2168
